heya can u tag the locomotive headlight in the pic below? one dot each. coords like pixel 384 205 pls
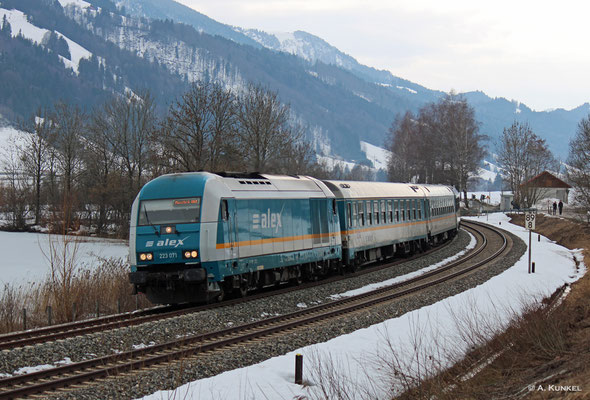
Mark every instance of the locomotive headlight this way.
pixel 190 254
pixel 168 229
pixel 146 256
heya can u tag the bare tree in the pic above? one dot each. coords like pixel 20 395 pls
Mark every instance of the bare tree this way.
pixel 401 165
pixel 127 124
pixel 223 109
pixel 198 132
pixel 14 191
pixel 462 144
pixel 103 178
pixel 441 144
pixel 579 161
pixel 34 153
pixel 187 127
pixel 266 137
pixel 523 155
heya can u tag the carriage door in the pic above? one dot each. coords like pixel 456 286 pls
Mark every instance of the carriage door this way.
pixel 334 222
pixel 228 210
pixel 427 215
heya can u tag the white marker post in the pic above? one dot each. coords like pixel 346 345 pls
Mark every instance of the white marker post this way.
pixel 529 224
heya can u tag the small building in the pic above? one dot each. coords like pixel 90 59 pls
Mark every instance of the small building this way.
pixel 506 201
pixel 548 186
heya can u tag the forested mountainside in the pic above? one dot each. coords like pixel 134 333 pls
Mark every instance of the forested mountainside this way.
pixel 338 100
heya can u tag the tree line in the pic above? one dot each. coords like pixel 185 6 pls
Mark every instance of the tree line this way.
pixel 442 144
pixel 76 166
pixel 439 144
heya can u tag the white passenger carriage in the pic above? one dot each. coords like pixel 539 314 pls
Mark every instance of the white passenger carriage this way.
pixel 379 219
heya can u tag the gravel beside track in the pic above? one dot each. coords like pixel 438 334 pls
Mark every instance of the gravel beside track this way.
pixel 137 384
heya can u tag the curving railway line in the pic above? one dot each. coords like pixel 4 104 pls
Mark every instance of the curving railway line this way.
pixel 84 327
pixel 491 244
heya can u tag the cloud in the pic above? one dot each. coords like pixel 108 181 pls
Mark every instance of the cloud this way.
pixel 533 51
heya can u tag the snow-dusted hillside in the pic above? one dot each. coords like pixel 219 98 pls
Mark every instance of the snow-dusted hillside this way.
pixel 301 44
pixel 21 26
pixel 377 155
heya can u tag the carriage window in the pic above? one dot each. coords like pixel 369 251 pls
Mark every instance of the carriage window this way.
pixel 420 209
pixel 376 211
pixel 361 214
pixel 403 209
pixel 169 211
pixel 369 213
pixel 414 206
pixel 334 206
pixel 224 211
pixel 396 205
pixel 349 213
pixel 383 215
pixel 389 211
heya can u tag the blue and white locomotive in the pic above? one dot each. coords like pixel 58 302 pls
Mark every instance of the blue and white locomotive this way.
pixel 198 236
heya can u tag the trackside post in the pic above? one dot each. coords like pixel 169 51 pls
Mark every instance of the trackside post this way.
pixel 299 369
pixel 529 224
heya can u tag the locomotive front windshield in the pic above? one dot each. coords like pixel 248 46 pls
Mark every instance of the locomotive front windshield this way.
pixel 170 211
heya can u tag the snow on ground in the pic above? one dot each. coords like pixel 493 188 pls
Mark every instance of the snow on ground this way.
pixel 486 175
pixel 19 24
pixel 331 162
pixel 77 53
pixel 392 281
pixel 408 89
pixel 377 155
pixel 7 134
pixel 23 259
pixel 354 355
pixel 77 3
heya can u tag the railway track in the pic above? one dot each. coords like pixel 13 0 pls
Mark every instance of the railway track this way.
pixel 85 327
pixel 492 244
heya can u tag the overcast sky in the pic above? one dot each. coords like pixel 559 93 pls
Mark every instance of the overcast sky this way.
pixel 536 52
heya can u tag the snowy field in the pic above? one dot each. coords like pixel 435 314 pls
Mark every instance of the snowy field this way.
pixel 354 355
pixel 23 260
pixel 22 253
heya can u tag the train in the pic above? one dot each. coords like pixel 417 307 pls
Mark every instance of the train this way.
pixel 203 236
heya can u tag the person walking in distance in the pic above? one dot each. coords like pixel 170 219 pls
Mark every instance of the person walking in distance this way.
pixel 554 207
pixel 560 207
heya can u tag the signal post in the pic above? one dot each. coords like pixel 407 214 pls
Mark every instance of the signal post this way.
pixel 529 223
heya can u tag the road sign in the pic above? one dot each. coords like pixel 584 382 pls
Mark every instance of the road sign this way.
pixel 529 220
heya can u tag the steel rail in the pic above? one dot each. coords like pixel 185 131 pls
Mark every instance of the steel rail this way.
pixel 84 327
pixel 192 345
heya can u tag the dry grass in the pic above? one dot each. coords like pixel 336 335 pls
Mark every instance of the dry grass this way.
pixel 538 349
pixel 72 296
pixel 518 359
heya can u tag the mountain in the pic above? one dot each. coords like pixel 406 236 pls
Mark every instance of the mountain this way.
pixel 168 9
pixel 83 51
pixel 494 114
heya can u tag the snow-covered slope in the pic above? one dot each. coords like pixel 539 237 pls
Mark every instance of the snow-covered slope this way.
pixel 377 155
pixel 302 44
pixel 21 26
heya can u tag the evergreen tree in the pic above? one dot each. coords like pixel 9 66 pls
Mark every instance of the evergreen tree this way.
pixel 6 29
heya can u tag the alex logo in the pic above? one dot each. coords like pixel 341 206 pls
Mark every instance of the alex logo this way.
pixel 165 243
pixel 267 220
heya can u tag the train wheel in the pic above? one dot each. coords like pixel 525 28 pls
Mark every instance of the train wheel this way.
pixel 222 294
pixel 242 291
